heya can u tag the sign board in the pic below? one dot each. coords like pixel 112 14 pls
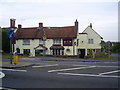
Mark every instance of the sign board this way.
pixel 11 34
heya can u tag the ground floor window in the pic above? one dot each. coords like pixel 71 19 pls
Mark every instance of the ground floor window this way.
pixel 57 52
pixel 26 51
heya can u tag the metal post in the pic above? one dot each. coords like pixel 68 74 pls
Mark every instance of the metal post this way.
pixel 43 48
pixel 10 51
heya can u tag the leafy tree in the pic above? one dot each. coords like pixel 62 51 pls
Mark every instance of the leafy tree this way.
pixel 116 47
pixel 5 41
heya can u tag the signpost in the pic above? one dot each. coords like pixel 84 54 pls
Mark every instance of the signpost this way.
pixel 11 36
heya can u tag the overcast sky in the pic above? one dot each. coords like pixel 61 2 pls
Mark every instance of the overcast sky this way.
pixel 103 14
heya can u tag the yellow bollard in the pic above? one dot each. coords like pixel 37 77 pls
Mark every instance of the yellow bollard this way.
pixel 15 59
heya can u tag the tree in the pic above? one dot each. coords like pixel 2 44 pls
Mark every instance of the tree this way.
pixel 116 47
pixel 5 42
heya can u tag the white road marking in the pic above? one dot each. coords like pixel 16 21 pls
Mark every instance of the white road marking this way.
pixel 96 66
pixel 109 72
pixel 71 69
pixel 82 65
pixel 13 70
pixel 2 75
pixel 107 66
pixel 46 65
pixel 76 74
pixel 6 88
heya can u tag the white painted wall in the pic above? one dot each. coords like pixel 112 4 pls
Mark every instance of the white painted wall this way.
pixel 33 43
pixel 82 43
pixel 48 44
pixel 91 34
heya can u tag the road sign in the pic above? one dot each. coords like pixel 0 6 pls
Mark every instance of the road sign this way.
pixel 11 34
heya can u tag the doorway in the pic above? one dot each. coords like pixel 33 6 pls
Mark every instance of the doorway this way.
pixel 81 53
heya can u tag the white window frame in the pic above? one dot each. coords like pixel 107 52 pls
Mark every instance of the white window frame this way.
pixel 91 41
pixel 56 41
pixel 26 41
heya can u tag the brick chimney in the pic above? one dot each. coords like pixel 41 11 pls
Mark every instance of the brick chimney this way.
pixel 19 26
pixel 91 25
pixel 76 24
pixel 41 25
pixel 12 23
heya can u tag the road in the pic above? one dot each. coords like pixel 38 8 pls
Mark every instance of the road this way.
pixel 63 74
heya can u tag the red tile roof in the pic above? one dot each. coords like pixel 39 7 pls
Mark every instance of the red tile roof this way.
pixel 50 32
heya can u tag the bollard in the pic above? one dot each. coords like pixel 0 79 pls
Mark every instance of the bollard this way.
pixel 15 58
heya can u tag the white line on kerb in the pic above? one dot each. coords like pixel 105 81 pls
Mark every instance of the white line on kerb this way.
pixel 46 65
pixel 71 69
pixel 76 74
pixel 13 70
pixel 109 72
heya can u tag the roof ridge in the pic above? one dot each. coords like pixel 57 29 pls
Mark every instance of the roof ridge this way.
pixel 48 26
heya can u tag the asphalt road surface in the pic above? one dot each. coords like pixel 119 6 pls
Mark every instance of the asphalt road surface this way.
pixel 56 74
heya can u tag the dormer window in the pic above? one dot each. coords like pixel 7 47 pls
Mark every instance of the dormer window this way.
pixel 57 41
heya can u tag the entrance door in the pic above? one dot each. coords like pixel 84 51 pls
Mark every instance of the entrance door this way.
pixel 39 52
pixel 81 53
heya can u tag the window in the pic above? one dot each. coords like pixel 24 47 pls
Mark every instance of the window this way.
pixel 90 41
pixel 56 41
pixel 41 42
pixel 67 42
pixel 26 51
pixel 67 50
pixel 26 42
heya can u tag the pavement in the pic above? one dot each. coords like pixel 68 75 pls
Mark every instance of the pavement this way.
pixel 19 65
